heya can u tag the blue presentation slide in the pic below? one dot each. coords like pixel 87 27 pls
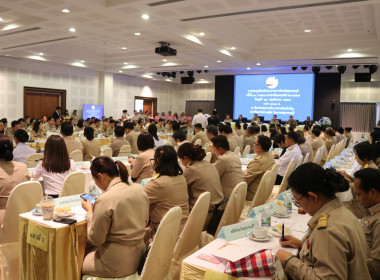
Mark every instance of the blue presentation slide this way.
pixel 283 95
pixel 90 111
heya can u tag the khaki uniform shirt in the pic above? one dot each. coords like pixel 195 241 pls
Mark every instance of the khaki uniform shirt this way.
pixel 334 247
pixel 274 121
pixel 117 144
pixel 201 177
pixel 132 139
pixel 50 128
pixel 316 144
pixel 72 144
pixel 142 168
pixel 10 133
pixel 229 168
pixel 37 135
pixel 250 140
pixel 329 143
pixel 256 120
pixel 255 171
pixel 232 142
pixel 164 193
pixel 177 145
pixel 371 227
pixel 293 122
pixel 210 149
pixel 108 131
pixel 306 148
pixel 117 225
pixel 200 135
pixel 160 128
pixel 77 129
pixel 90 149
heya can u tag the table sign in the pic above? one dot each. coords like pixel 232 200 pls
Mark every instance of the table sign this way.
pixel 240 230
pixel 38 237
pixel 259 209
pixel 72 201
pixel 215 275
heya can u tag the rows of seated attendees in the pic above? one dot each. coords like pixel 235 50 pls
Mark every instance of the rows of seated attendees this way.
pixel 180 175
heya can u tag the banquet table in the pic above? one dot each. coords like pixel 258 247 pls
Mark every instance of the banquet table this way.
pixel 195 266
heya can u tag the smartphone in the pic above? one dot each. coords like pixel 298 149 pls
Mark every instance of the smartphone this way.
pixel 88 197
pixel 65 221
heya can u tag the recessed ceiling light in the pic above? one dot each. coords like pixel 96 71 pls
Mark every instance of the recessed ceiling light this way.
pixel 66 11
pixel 82 61
pixel 41 53
pixel 78 64
pixel 137 33
pixel 202 34
pixel 164 60
pixel 1 19
pixel 206 66
pixel 120 71
pixel 7 55
pixel 168 80
pixel 248 68
pixel 123 48
pixel 258 63
pixel 201 79
pixel 349 50
pixel 219 61
pixel 125 63
pixel 307 30
pixel 72 29
pixel 145 16
pixel 233 48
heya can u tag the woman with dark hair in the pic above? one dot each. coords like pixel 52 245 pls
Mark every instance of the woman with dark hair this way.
pixel 201 176
pixel 115 223
pixel 282 130
pixel 335 245
pixel 91 146
pixel 2 128
pixel 330 139
pixel 79 126
pixel 375 140
pixel 152 130
pixel 347 133
pixel 54 166
pixel 12 172
pixel 141 167
pixel 264 130
pixel 38 130
pixel 304 145
pixel 75 116
pixel 65 115
pixel 22 150
pixel 30 125
pixel 168 187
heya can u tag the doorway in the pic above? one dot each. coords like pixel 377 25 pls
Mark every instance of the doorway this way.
pixel 43 101
pixel 146 104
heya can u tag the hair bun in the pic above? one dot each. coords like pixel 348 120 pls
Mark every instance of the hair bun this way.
pixel 8 155
pixel 336 181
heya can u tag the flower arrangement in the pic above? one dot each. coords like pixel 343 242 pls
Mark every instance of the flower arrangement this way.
pixel 324 121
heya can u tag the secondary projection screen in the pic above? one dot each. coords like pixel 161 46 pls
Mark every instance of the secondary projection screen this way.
pixel 283 95
pixel 90 111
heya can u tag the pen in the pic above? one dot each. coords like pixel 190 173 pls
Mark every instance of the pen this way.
pixel 283 233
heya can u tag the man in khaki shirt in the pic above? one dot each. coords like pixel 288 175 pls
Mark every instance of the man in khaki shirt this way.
pixel 258 166
pixel 317 142
pixel 226 131
pixel 119 142
pixel 11 131
pixel 50 126
pixel 161 126
pixel 131 136
pixel 211 132
pixel 228 165
pixel 199 134
pixel 256 119
pixel 179 138
pixel 250 138
pixel 71 143
pixel 367 191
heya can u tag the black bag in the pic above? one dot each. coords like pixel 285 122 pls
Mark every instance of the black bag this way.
pixel 216 217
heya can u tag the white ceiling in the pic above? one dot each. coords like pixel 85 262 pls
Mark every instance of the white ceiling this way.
pixel 270 32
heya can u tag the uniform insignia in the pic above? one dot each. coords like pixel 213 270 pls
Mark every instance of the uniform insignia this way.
pixel 322 221
pixel 366 166
pixel 367 223
pixel 258 157
pixel 156 176
pixel 291 148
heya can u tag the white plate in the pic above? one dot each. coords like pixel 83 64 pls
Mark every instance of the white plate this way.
pixel 35 213
pixel 251 236
pixel 276 233
pixel 281 216
pixel 64 214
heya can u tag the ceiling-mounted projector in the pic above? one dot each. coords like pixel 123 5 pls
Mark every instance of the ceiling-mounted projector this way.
pixel 165 49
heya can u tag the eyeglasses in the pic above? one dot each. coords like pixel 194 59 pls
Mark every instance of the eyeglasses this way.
pixel 297 201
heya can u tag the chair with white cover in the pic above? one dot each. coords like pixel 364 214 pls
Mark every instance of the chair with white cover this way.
pixel 107 152
pixel 274 173
pixel 157 263
pixel 76 155
pixel 33 159
pixel 299 162
pixel 318 156
pixel 208 157
pixel 234 207
pixel 331 153
pixel 277 189
pixel 264 190
pixel 246 151
pixel 125 151
pixel 74 183
pixel 198 142
pixel 188 240
pixel 237 151
pixel 306 159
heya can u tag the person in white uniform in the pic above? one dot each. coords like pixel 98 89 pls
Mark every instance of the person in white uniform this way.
pixel 200 118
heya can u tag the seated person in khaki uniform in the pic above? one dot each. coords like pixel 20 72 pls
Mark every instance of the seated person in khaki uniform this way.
pixel 334 247
pixel 50 126
pixel 91 146
pixel 250 137
pixel 38 131
pixel 367 192
pixel 292 121
pixel 274 120
pixel 119 142
pixel 258 166
pixel 256 119
pixel 211 132
pixel 226 131
pixel 71 143
pixel 161 126
pixel 11 131
pixel 199 134
pixel 179 139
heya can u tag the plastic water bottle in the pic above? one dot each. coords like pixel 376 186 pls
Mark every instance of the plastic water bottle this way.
pixel 266 220
pixel 288 202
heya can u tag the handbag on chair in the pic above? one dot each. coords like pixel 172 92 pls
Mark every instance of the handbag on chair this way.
pixel 217 214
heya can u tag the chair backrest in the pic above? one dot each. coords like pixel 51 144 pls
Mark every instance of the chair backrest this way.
pixel 237 150
pixel 125 151
pixel 289 170
pixel 264 190
pixel 198 142
pixel 107 152
pixel 23 198
pixel 299 162
pixel 73 184
pixel 157 264
pixel 76 155
pixel 318 156
pixel 331 153
pixel 32 160
pixel 274 173
pixel 306 159
pixel 234 206
pixel 246 151
pixel 351 141
pixel 189 239
pixel 208 157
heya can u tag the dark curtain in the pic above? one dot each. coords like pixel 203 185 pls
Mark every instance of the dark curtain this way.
pixel 192 106
pixel 360 116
